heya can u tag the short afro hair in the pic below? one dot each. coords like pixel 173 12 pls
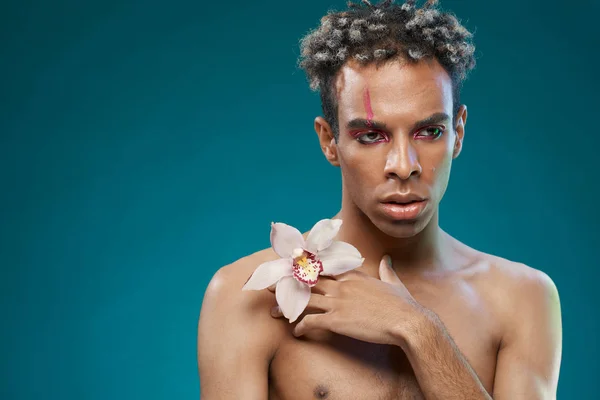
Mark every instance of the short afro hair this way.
pixel 369 33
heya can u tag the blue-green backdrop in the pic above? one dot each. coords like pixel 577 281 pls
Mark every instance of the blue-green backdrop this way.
pixel 144 144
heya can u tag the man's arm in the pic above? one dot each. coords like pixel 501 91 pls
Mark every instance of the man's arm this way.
pixel 528 361
pixel 530 353
pixel 440 368
pixel 235 338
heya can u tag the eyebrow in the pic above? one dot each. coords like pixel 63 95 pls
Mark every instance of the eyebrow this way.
pixel 360 123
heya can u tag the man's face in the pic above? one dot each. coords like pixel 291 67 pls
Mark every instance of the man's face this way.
pixel 396 138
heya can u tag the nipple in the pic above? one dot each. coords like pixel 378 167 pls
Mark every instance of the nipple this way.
pixel 321 392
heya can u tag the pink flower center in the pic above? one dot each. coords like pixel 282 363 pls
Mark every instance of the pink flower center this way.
pixel 307 267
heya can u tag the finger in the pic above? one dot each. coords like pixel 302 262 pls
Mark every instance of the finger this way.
pixel 316 303
pixel 272 288
pixel 312 321
pixel 325 286
pixel 351 276
pixel 387 273
pixel 319 302
pixel 276 312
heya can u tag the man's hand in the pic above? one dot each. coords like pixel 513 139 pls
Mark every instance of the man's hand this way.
pixel 362 307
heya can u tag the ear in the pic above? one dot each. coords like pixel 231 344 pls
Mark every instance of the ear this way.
pixel 461 121
pixel 327 141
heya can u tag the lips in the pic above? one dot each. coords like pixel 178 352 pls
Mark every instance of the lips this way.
pixel 403 198
pixel 403 210
pixel 400 202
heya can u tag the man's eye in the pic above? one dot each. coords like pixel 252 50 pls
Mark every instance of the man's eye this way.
pixel 370 137
pixel 431 132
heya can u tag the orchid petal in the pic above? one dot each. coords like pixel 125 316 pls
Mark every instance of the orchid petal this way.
pixel 285 238
pixel 292 297
pixel 322 234
pixel 339 257
pixel 269 273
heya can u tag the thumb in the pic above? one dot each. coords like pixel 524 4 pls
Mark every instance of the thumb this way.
pixel 387 273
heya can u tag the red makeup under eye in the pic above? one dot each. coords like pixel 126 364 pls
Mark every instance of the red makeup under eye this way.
pixel 439 131
pixel 375 136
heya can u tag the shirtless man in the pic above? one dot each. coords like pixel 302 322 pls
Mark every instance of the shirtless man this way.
pixel 442 320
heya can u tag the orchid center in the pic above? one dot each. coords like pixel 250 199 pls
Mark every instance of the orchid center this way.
pixel 306 266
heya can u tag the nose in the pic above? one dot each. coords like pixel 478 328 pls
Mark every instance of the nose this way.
pixel 402 160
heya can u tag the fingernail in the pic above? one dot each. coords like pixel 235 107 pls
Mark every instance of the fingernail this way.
pixel 275 311
pixel 388 260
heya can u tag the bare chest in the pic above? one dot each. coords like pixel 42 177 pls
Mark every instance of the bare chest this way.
pixel 325 365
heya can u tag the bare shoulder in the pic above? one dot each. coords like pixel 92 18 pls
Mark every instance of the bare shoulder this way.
pixel 238 318
pixel 513 287
pixel 237 337
pixel 224 292
pixel 520 281
pixel 232 277
pixel 526 306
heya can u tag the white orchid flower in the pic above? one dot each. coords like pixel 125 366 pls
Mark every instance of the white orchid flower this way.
pixel 302 262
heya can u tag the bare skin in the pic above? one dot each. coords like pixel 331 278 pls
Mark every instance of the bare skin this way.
pixel 444 321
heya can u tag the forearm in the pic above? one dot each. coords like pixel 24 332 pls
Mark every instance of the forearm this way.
pixel 440 368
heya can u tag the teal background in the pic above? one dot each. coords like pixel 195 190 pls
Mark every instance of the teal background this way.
pixel 146 144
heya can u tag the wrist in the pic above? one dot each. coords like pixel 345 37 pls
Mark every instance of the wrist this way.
pixel 411 335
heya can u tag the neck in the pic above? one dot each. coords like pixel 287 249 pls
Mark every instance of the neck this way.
pixel 410 255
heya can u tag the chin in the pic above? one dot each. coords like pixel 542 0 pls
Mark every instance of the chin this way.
pixel 401 229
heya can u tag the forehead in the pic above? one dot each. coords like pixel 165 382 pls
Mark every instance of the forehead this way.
pixel 394 88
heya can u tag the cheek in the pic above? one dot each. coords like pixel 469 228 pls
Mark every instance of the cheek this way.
pixel 439 172
pixel 360 169
pixel 357 161
pixel 437 159
pixel 440 161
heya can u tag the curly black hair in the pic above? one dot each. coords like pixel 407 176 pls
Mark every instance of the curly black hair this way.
pixel 369 33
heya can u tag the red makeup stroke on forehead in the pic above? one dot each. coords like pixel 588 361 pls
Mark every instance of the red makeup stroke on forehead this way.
pixel 367 101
